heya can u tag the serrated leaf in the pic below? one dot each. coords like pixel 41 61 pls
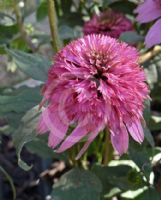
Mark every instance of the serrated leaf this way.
pixel 77 184
pixel 35 66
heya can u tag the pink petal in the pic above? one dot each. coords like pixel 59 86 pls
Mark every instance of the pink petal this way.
pixel 90 139
pixel 42 128
pixel 136 131
pixel 55 126
pixel 154 35
pixel 77 134
pixel 120 140
pixel 148 11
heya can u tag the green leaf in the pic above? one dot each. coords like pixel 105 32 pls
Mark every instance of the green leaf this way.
pixel 146 194
pixel 34 66
pixel 71 19
pixel 7 33
pixel 106 3
pixel 26 133
pixel 147 111
pixel 42 10
pixel 131 37
pixel 149 136
pixel 155 123
pixel 123 6
pixel 77 184
pixel 39 147
pixel 139 154
pixel 123 177
pixel 19 100
pixel 14 104
pixel 153 71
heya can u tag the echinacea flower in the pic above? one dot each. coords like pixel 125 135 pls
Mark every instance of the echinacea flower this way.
pixel 148 11
pixel 94 83
pixel 109 23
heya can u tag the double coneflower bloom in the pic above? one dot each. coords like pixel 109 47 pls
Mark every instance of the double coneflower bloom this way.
pixel 94 83
pixel 109 22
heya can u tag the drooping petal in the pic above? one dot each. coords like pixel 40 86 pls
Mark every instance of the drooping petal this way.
pixel 56 127
pixel 86 145
pixel 136 131
pixel 77 134
pixel 148 11
pixel 42 128
pixel 90 139
pixel 153 36
pixel 120 140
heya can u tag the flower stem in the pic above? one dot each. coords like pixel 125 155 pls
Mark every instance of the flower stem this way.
pixel 53 25
pixel 150 54
pixel 108 150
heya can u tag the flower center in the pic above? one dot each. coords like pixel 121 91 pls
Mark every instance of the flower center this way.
pixel 99 62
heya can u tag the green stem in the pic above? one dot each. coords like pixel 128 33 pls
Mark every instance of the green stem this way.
pixel 10 181
pixel 108 150
pixel 53 25
pixel 72 154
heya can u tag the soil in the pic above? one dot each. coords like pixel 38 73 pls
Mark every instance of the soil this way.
pixel 35 184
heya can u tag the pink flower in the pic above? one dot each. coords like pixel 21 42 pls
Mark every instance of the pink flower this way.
pixel 94 83
pixel 109 23
pixel 148 11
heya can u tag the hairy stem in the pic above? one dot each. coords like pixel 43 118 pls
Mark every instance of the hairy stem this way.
pixel 53 25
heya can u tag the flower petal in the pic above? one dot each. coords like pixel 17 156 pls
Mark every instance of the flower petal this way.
pixel 78 133
pixel 120 140
pixel 154 37
pixel 41 128
pixel 136 131
pixel 86 145
pixel 57 128
pixel 148 11
pixel 91 137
